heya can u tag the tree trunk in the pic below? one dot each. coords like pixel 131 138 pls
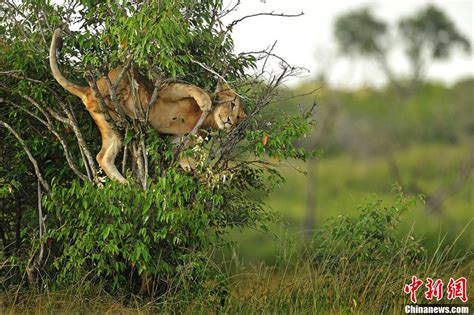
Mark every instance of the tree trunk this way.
pixel 3 237
pixel 19 215
pixel 310 217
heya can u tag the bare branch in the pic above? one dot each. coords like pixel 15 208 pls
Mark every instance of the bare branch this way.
pixel 125 150
pixel 42 227
pixel 137 157
pixel 311 92
pixel 20 75
pixel 266 53
pixel 139 114
pixel 122 73
pixel 82 144
pixel 208 69
pixel 102 105
pixel 229 9
pixel 145 161
pixel 231 25
pixel 184 144
pixel 113 96
pixel 35 260
pixel 86 165
pixel 220 77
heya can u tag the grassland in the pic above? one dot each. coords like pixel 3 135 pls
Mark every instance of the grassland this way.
pixel 343 182
pixel 279 271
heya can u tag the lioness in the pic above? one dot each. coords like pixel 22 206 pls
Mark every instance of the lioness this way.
pixel 176 111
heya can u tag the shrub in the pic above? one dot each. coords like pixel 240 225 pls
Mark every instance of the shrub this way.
pixel 164 221
pixel 370 237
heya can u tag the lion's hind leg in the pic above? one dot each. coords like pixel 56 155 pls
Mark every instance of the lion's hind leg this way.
pixel 111 146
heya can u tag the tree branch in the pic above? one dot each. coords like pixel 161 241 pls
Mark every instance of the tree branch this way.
pixel 231 25
pixel 229 9
pixel 30 156
pixel 219 76
pixel 61 140
pixel 70 120
pixel 113 96
pixel 102 105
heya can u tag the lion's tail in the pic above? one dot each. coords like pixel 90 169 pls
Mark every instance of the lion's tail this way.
pixel 53 63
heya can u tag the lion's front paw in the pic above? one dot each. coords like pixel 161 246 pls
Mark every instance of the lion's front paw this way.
pixel 204 103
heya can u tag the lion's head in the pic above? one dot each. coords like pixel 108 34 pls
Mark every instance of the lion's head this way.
pixel 228 110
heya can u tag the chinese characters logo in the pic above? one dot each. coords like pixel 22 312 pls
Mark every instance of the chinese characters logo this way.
pixel 434 289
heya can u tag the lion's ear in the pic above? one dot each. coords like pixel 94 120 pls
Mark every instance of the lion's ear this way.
pixel 242 114
pixel 221 86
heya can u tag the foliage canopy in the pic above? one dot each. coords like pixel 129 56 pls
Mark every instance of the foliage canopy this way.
pixel 84 227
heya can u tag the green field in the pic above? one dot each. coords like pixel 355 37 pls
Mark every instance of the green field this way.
pixel 344 182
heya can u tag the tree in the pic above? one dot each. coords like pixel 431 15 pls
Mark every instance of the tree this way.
pixel 429 34
pixel 360 33
pixel 325 122
pixel 81 225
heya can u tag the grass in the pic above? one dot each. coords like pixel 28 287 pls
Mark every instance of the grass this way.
pixel 355 265
pixel 306 287
pixel 278 273
pixel 343 182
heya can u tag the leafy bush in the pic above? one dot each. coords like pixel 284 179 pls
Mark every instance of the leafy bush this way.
pixel 161 224
pixel 164 229
pixel 370 237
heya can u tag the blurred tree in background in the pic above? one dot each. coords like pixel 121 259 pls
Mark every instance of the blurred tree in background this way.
pixel 429 34
pixel 380 122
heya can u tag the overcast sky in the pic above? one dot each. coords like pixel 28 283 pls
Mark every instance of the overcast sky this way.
pixel 308 40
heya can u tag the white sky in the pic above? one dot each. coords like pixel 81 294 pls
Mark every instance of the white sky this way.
pixel 308 40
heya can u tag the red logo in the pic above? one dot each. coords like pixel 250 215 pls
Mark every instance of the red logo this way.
pixel 412 287
pixel 457 289
pixel 434 289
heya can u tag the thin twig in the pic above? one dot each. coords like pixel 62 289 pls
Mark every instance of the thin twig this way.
pixel 113 96
pixel 229 9
pixel 220 77
pixel 297 95
pixel 231 25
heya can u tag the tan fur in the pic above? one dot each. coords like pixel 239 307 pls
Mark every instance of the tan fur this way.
pixel 176 111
